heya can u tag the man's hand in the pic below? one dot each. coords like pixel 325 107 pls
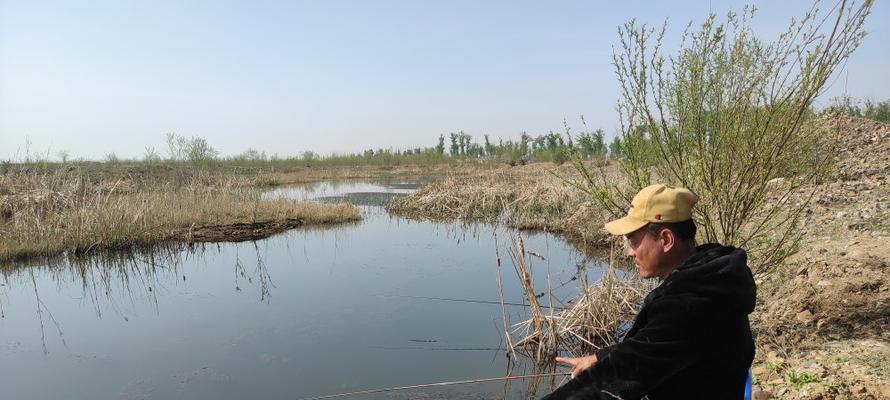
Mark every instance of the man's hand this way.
pixel 579 364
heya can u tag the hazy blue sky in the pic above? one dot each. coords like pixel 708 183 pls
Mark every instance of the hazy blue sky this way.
pixel 283 77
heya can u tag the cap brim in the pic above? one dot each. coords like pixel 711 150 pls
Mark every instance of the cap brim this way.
pixel 623 226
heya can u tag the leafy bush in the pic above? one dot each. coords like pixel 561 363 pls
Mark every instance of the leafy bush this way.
pixel 878 111
pixel 195 149
pixel 726 116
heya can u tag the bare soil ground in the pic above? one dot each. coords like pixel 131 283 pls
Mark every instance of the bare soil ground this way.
pixel 825 316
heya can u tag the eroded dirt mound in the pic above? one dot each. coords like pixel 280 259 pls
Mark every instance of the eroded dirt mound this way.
pixel 864 149
pixel 827 311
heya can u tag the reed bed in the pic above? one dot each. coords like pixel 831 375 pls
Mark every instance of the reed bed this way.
pixel 577 326
pixel 527 197
pixel 46 212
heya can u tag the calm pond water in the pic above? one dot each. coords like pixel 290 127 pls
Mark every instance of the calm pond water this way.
pixel 310 312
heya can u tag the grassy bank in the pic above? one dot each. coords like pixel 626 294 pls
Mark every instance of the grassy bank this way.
pixel 50 211
pixel 533 196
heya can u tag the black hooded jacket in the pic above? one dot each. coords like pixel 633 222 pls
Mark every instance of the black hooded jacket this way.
pixel 690 340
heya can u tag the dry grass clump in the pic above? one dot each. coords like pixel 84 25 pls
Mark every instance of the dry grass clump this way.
pixel 578 326
pixel 47 212
pixel 506 193
pixel 526 197
pixel 305 174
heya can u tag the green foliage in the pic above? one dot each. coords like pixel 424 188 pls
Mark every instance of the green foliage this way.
pixel 198 151
pixel 615 148
pixel 440 148
pixel 726 116
pixel 550 147
pixel 878 111
pixel 455 149
pixel 772 366
pixel 798 379
pixel 195 149
pixel 252 155
pixel 309 157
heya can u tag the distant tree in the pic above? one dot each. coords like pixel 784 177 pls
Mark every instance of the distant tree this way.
pixel 151 155
pixel 440 148
pixel 252 155
pixel 463 142
pixel 175 146
pixel 599 144
pixel 63 155
pixel 878 111
pixel 524 139
pixel 197 150
pixel 615 148
pixel 455 149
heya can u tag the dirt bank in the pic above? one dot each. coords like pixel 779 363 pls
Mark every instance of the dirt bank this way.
pixel 825 316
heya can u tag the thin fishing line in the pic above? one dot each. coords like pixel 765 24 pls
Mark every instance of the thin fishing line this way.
pixel 437 348
pixel 463 382
pixel 468 301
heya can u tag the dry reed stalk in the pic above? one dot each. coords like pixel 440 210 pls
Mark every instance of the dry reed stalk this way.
pixel 538 332
pixel 514 194
pixel 511 354
pixel 591 322
pixel 531 197
pixel 44 213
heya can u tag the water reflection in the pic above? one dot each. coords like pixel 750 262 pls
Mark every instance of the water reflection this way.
pixel 309 312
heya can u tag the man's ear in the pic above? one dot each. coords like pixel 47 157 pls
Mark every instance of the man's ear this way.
pixel 668 239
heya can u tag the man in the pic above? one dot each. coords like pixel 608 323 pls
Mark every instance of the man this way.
pixel 691 339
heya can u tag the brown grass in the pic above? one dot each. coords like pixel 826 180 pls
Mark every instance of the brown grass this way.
pixel 48 212
pixel 533 196
pixel 293 175
pixel 586 323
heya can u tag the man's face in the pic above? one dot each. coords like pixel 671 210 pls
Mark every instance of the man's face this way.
pixel 647 251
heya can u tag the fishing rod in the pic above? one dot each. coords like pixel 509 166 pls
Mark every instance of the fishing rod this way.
pixel 463 382
pixel 468 301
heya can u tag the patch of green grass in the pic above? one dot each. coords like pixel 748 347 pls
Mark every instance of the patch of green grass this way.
pixel 772 366
pixel 798 379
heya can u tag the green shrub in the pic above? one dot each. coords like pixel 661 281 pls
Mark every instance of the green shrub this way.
pixel 727 115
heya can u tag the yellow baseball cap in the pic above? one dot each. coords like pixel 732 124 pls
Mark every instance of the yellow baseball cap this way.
pixel 656 203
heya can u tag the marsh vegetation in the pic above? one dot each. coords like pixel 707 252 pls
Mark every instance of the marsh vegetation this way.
pixel 50 211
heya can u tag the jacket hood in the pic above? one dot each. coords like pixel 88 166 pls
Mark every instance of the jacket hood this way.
pixel 717 272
